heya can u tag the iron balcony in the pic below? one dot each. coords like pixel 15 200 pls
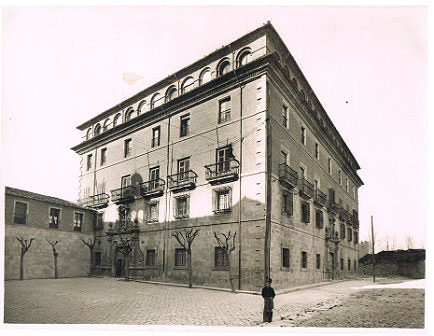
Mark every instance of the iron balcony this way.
pixel 333 207
pixel 288 176
pixel 152 188
pixel 320 198
pixel 344 215
pixel 306 188
pixel 222 172
pixel 182 181
pixel 98 201
pixel 123 195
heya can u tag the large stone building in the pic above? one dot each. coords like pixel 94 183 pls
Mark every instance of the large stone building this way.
pixel 236 141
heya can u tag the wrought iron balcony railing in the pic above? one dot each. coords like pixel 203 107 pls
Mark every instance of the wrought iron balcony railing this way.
pixel 182 181
pixel 98 201
pixel 344 215
pixel 152 188
pixel 123 195
pixel 306 188
pixel 320 197
pixel 222 172
pixel 288 176
pixel 333 207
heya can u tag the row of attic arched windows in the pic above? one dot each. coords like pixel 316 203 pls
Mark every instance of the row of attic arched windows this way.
pixel 223 67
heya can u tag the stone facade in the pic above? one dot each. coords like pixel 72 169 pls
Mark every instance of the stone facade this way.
pixel 73 256
pixel 203 149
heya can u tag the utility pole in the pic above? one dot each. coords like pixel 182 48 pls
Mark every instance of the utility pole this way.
pixel 373 248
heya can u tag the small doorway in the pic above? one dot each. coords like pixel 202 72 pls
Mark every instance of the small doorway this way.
pixel 119 268
pixel 331 265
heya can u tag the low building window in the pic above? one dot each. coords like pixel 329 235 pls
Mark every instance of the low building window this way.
pixel 20 213
pixel 180 257
pixel 78 221
pixel 303 259
pixel 305 212
pixel 319 219
pixel 54 218
pixel 182 206
pixel 222 201
pixel 288 203
pixel 225 110
pixel 150 257
pixel 220 258
pixel 318 261
pixel 285 257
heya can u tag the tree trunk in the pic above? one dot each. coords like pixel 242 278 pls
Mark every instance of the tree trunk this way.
pixel 127 268
pixel 190 272
pixel 56 275
pixel 231 278
pixel 22 266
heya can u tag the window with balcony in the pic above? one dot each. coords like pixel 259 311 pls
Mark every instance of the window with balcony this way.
pixel 182 204
pixel 89 161
pixel 285 257
pixel 220 258
pixel 155 137
pixel 288 203
pixel 103 156
pixel 303 259
pixel 150 258
pixel 224 110
pixel 180 257
pixel 319 220
pixel 305 212
pixel 125 181
pixel 20 212
pixel 183 169
pixel 78 221
pixel 152 213
pixel 223 157
pixel 154 178
pixel 127 148
pixel 185 126
pixel 318 261
pixel 54 218
pixel 285 116
pixel 222 200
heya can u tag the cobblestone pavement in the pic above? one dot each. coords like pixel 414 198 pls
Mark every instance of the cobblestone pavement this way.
pixel 108 300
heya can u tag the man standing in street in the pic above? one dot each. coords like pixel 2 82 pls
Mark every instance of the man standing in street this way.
pixel 268 295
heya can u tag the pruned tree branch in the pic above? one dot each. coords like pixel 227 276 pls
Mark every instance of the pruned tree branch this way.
pixel 89 243
pixel 24 245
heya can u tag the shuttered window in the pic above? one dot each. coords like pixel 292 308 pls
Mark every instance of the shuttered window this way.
pixel 20 213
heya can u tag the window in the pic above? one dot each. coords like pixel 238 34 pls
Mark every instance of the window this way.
pixel 97 258
pixel 285 257
pixel 244 57
pixel 349 264
pixel 78 221
pixel 142 107
pixel 222 200
pixel 20 213
pixel 127 148
pixel 155 101
pixel 285 116
pixel 103 156
pixel 340 177
pixel 316 151
pixel 89 134
pixel 342 264
pixel 223 68
pixel 183 169
pixel 329 166
pixel 303 259
pixel 97 130
pixel 170 94
pixel 318 261
pixel 350 234
pixel 305 212
pixel 283 157
pixel 101 187
pixel 288 203
pixel 125 181
pixel 116 119
pixel 54 218
pixel 302 172
pixel 150 257
pixel 155 137
pixel 356 237
pixel 99 221
pixel 185 126
pixel 89 161
pixel 342 231
pixel 223 157
pixel 152 215
pixel 154 176
pixel 180 257
pixel 225 110
pixel 319 219
pixel 182 206
pixel 220 258
pixel 205 76
pixel 303 135
pixel 346 184
pixel 106 125
pixel 129 115
pixel 187 85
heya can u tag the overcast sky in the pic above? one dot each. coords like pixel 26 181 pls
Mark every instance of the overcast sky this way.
pixel 62 66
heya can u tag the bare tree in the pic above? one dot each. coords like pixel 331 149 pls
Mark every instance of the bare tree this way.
pixel 185 239
pixel 55 254
pixel 126 247
pixel 90 243
pixel 25 245
pixel 409 242
pixel 227 246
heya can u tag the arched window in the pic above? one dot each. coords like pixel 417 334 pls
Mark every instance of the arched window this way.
pixel 244 57
pixel 223 68
pixel 187 85
pixel 142 107
pixel 155 101
pixel 106 124
pixel 205 76
pixel 129 114
pixel 116 119
pixel 97 130
pixel 170 93
pixel 89 134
